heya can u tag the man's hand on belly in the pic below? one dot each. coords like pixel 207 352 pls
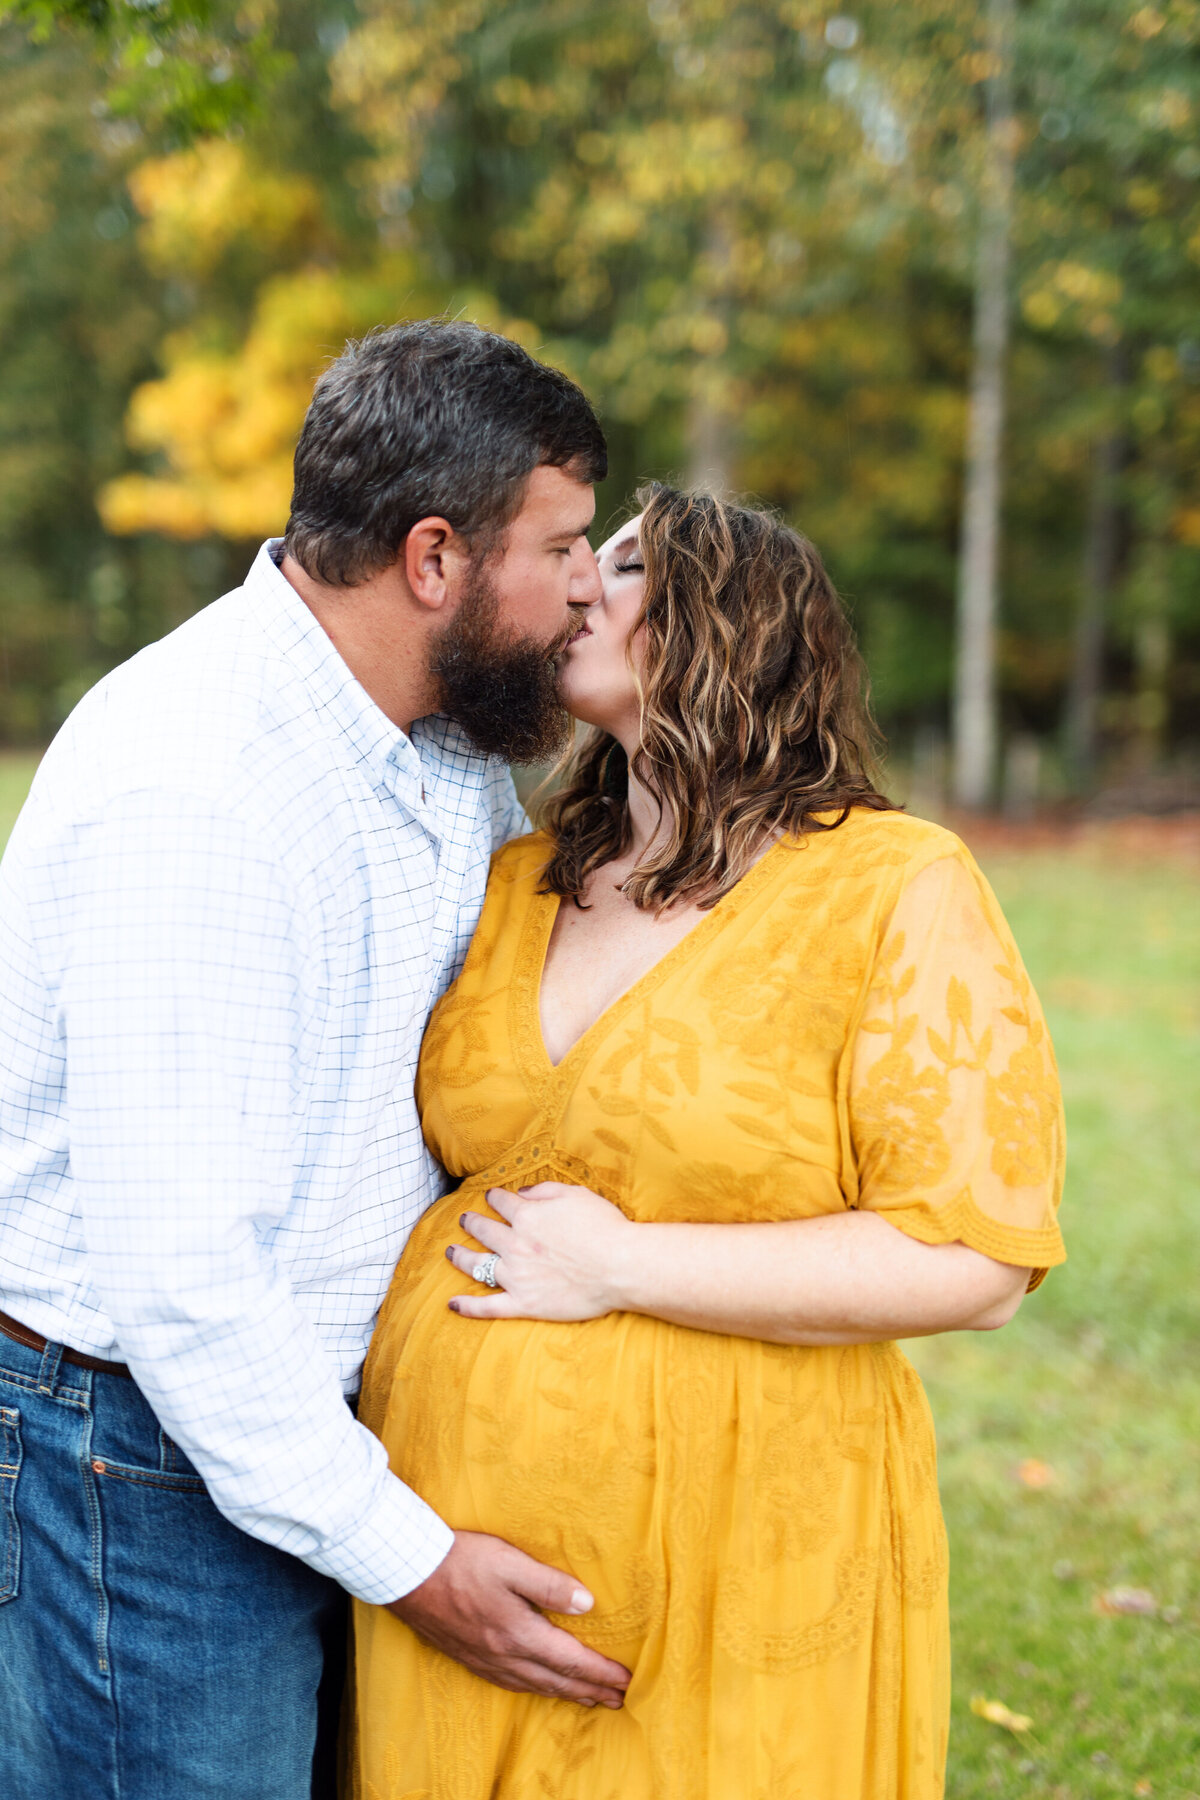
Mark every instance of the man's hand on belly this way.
pixel 484 1605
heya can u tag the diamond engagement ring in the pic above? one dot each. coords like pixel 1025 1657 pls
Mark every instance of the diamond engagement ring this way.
pixel 485 1271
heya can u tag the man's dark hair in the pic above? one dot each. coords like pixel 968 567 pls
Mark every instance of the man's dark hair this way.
pixel 436 418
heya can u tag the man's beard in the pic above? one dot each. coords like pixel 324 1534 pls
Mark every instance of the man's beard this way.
pixel 501 689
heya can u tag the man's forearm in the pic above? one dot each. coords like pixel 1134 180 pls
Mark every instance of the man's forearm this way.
pixel 181 1018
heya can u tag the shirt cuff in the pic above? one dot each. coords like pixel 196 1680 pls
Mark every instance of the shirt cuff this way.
pixel 395 1549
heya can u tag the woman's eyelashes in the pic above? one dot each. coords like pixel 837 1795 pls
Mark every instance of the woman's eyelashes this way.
pixel 629 568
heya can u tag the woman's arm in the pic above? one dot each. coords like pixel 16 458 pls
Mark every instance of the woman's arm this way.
pixel 843 1278
pixel 955 1120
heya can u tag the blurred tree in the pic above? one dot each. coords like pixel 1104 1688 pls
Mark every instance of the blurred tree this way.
pixel 749 230
pixel 975 708
pixel 1112 178
pixel 220 426
pixel 720 218
pixel 80 323
pixel 87 304
pixel 184 66
pixel 1105 546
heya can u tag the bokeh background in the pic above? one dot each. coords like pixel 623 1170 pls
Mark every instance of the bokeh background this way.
pixel 924 277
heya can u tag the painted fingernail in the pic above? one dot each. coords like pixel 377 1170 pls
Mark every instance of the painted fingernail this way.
pixel 453 1305
pixel 449 1252
pixel 581 1601
pixel 462 1219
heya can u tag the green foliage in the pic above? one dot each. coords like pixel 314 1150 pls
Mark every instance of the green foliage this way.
pixel 84 309
pixel 16 773
pixel 73 351
pixel 747 228
pixel 190 66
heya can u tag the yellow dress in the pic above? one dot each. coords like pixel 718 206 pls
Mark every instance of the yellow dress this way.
pixel 851 1026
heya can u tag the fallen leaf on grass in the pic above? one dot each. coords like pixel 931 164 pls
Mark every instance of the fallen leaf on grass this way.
pixel 1032 1473
pixel 1144 1789
pixel 996 1713
pixel 1135 1600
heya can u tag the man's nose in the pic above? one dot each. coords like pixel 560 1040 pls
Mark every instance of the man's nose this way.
pixel 586 587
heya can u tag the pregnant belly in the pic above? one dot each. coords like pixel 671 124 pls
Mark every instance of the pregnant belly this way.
pixel 748 1490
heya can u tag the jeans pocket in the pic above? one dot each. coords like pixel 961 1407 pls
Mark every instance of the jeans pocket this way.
pixel 128 1442
pixel 10 1530
pixel 171 1459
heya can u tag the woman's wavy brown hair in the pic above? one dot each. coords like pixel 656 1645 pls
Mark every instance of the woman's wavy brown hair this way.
pixel 755 717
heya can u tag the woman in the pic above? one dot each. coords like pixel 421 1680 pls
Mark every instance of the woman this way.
pixel 743 1079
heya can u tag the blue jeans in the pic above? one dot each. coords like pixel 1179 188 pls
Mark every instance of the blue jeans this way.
pixel 149 1650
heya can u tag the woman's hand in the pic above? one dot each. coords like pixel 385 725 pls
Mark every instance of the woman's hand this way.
pixel 558 1252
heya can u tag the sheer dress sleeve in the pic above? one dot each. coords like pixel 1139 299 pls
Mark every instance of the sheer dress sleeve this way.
pixel 955 1114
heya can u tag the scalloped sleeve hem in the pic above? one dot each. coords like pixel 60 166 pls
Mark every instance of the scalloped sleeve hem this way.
pixel 962 1222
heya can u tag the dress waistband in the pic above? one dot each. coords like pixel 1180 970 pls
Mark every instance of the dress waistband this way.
pixel 33 1340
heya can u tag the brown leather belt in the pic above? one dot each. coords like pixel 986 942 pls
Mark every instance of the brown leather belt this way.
pixel 33 1340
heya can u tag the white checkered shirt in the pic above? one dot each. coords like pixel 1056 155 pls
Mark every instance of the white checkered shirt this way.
pixel 233 896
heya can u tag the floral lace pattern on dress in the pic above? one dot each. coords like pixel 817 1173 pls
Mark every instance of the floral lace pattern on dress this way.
pixel 759 1523
pixel 953 1094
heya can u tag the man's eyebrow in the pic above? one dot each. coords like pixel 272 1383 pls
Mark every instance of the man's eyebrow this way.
pixel 572 532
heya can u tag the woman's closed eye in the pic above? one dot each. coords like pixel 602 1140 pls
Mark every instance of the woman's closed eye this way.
pixel 634 567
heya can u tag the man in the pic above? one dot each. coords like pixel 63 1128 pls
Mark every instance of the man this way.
pixel 249 864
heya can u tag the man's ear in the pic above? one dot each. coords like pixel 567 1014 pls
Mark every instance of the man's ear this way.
pixel 432 553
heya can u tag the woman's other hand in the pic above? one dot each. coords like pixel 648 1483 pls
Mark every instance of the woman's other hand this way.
pixel 558 1252
pixel 839 1278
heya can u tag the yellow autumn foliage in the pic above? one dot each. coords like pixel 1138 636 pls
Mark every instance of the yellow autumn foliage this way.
pixel 1071 292
pixel 996 1713
pixel 392 73
pixel 199 203
pixel 225 424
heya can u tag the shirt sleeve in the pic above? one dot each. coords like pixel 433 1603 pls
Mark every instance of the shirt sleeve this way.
pixel 180 1002
pixel 955 1113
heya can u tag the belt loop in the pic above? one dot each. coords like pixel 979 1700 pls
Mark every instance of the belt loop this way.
pixel 52 1355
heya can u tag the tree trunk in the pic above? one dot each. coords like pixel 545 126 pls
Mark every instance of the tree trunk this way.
pixel 1103 551
pixel 709 433
pixel 709 424
pixel 1152 658
pixel 975 708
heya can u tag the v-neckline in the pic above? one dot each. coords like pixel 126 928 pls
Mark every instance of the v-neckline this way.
pixel 704 927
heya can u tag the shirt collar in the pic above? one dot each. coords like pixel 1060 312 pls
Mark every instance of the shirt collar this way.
pixel 436 756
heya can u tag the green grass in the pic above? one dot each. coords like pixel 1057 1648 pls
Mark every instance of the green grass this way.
pixel 16 773
pixel 1099 1375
